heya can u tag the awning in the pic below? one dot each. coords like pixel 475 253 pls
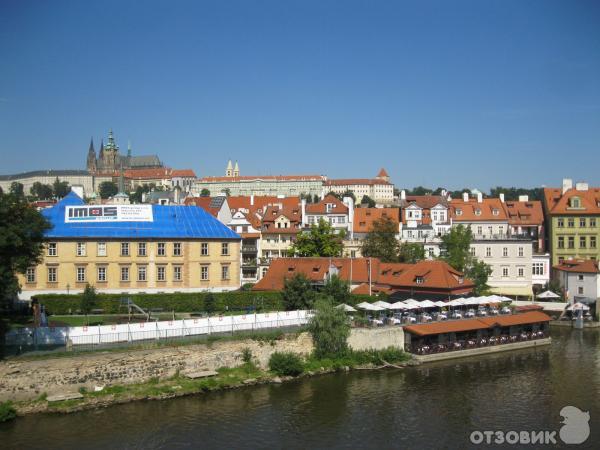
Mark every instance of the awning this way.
pixel 521 291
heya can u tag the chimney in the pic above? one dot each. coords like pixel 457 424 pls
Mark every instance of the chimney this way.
pixel 465 197
pixel 567 184
pixel 251 199
pixel 443 193
pixel 479 197
pixel 523 198
pixel 402 194
pixel 581 186
pixel 501 195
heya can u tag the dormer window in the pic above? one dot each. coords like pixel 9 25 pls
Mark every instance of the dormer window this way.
pixel 420 280
pixel 458 212
pixel 495 212
pixel 477 212
pixel 575 202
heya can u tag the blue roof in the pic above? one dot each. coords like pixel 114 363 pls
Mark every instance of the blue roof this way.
pixel 182 222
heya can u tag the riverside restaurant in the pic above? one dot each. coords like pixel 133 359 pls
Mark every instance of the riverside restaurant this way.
pixel 440 337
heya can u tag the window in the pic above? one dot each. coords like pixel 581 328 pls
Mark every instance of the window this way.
pixel 582 222
pixel 124 248
pixel 505 251
pixel 477 212
pixel 52 250
pixel 505 272
pixel 30 275
pixel 537 268
pixel 488 252
pixel 176 248
pixel 592 222
pixel 161 249
pixel 225 272
pixel 580 277
pixel 580 290
pixel 204 249
pixel 430 252
pixel 419 280
pixel 500 230
pixel 561 242
pixel 479 230
pixel 204 273
pixel 582 241
pixel 52 275
pixel 490 231
pixel 81 249
pixel 177 273
pixel 141 249
pixel 570 222
pixel 592 241
pixel 161 273
pixel 521 272
pixel 521 252
pixel 224 249
pixel 560 223
pixel 142 270
pixel 81 274
pixel 101 249
pixel 571 242
pixel 124 273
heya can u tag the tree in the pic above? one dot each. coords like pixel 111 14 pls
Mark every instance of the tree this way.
pixel 108 189
pixel 329 329
pixel 337 289
pixel 455 247
pixel 227 192
pixel 315 199
pixel 350 194
pixel 478 272
pixel 209 303
pixel 88 300
pixel 366 200
pixel 16 188
pixel 136 196
pixel 381 241
pixel 204 193
pixel 297 293
pixel 41 191
pixel 320 240
pixel 22 230
pixel 333 194
pixel 411 252
pixel 60 188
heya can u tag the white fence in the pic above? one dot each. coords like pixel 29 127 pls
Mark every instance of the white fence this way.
pixel 110 334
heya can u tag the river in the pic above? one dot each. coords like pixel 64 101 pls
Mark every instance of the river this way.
pixel 431 406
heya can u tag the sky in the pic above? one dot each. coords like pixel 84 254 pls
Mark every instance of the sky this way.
pixel 441 93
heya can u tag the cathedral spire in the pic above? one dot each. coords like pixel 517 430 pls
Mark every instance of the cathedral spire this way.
pixel 101 148
pixel 129 149
pixel 91 149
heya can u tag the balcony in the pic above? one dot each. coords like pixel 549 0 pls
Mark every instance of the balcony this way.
pixel 251 262
pixel 249 249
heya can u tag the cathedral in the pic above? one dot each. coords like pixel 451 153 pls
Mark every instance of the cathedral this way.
pixel 110 161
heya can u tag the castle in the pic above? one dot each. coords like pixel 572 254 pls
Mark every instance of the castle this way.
pixel 110 161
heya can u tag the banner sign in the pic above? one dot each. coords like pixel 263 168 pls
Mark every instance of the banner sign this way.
pixel 109 213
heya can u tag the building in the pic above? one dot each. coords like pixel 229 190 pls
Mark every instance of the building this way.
pixel 425 219
pixel 579 279
pixel 338 213
pixel 572 221
pixel 161 177
pixel 379 188
pixel 216 206
pixel 109 159
pixel 261 185
pixel 133 248
pixel 89 182
pixel 425 279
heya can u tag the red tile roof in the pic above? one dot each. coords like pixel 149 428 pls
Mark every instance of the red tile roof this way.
pixel 272 213
pixel 473 211
pixel 364 218
pixel 321 207
pixel 264 178
pixel 578 265
pixel 183 173
pixel 202 202
pixel 558 203
pixel 382 173
pixel 148 174
pixel 524 213
pixel 355 181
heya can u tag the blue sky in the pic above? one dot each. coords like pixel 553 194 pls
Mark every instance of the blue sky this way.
pixel 451 93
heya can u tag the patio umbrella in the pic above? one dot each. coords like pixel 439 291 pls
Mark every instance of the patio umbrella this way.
pixel 548 294
pixel 427 304
pixel 441 304
pixel 382 304
pixel 369 307
pixel 457 302
pixel 398 305
pixel 346 308
pixel 411 301
pixel 411 306
pixel 578 305
pixel 472 301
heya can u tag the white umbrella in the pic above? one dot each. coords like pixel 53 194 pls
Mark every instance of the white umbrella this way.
pixel 427 304
pixel 472 301
pixel 578 306
pixel 345 307
pixel 457 302
pixel 382 304
pixel 411 301
pixel 398 305
pixel 369 307
pixel 441 304
pixel 548 294
pixel 411 306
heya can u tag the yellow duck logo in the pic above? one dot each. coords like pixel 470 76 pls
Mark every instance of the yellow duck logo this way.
pixel 576 427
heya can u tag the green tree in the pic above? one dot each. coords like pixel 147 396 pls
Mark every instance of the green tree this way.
pixel 411 252
pixel 21 241
pixel 136 196
pixel 381 241
pixel 107 189
pixel 227 192
pixel 478 272
pixel 366 200
pixel 204 193
pixel 455 247
pixel 209 303
pixel 315 199
pixel 88 300
pixel 41 191
pixel 350 194
pixel 337 289
pixel 60 188
pixel 16 188
pixel 320 240
pixel 329 328
pixel 297 293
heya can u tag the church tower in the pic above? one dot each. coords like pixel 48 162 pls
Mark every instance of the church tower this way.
pixel 236 170
pixel 111 157
pixel 91 158
pixel 229 169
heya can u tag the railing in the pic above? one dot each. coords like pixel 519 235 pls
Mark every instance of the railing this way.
pixel 249 263
pixel 249 249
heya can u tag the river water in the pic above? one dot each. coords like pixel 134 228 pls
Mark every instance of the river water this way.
pixel 431 406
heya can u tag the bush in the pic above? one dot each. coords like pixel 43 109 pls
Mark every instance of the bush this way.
pixel 329 329
pixel 246 355
pixel 286 364
pixel 7 412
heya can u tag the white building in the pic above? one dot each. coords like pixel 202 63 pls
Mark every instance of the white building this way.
pixel 579 279
pixel 339 214
pixel 379 188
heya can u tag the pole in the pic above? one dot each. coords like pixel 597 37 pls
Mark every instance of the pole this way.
pixel 369 263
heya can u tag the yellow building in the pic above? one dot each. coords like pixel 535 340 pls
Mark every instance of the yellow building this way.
pixel 134 248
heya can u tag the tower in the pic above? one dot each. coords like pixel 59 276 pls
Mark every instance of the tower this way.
pixel 111 157
pixel 236 170
pixel 383 175
pixel 91 158
pixel 229 169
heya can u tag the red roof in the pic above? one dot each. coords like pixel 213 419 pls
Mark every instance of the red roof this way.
pixel 202 202
pixel 524 213
pixel 148 174
pixel 490 209
pixel 578 265
pixel 321 207
pixel 559 203
pixel 183 173
pixel 382 173
pixel 264 177
pixel 355 181
pixel 364 218
pixel 272 213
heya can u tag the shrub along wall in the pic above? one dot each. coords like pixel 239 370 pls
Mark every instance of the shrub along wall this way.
pixel 59 304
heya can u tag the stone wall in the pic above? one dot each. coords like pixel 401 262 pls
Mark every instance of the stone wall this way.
pixel 376 338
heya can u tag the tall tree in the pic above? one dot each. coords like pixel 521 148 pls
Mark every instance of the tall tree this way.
pixel 88 301
pixel 337 289
pixel 108 189
pixel 22 230
pixel 366 200
pixel 16 188
pixel 60 188
pixel 411 252
pixel 381 241
pixel 478 272
pixel 455 247
pixel 320 240
pixel 329 328
pixel 41 191
pixel 297 293
pixel 204 193
pixel 350 194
